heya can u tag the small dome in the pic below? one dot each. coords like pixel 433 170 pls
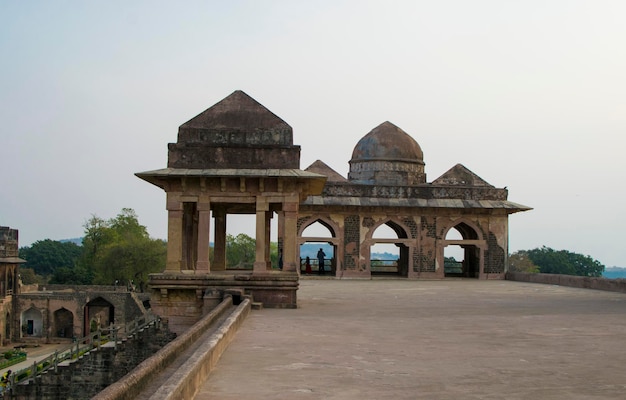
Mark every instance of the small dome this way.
pixel 387 142
pixel 387 156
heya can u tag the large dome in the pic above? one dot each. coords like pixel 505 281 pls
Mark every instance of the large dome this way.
pixel 387 142
pixel 387 156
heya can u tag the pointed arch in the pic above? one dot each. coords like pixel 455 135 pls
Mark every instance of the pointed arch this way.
pixel 324 221
pixel 398 227
pixel 468 229
pixel 335 253
pixel 473 247
pixel 32 322
pixel 399 265
pixel 99 313
pixel 63 320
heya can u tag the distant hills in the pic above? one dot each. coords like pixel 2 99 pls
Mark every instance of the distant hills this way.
pixel 76 241
pixel 614 273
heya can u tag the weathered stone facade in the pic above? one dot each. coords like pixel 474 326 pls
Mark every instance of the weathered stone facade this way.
pixel 59 313
pixel 239 158
pixel 9 280
pixel 387 186
pixel 236 157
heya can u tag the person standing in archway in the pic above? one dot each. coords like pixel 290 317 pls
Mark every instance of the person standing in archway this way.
pixel 320 260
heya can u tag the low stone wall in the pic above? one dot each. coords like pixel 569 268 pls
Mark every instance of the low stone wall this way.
pixel 187 380
pixel 131 385
pixel 586 282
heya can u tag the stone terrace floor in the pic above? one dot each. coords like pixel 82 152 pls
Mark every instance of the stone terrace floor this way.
pixel 450 339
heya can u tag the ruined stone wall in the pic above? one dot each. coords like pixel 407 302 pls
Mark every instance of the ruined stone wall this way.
pixel 6 317
pixel 8 242
pixel 90 374
pixel 127 307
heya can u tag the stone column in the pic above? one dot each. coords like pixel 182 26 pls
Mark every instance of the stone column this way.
pixel 219 240
pixel 268 238
pixel 174 233
pixel 260 263
pixel 204 228
pixel 290 209
pixel 281 230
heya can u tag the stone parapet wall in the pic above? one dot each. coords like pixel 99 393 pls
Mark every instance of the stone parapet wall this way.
pixel 207 157
pixel 185 383
pixel 425 191
pixel 195 368
pixel 83 288
pixel 585 282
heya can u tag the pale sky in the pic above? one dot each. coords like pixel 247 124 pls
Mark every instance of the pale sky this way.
pixel 527 94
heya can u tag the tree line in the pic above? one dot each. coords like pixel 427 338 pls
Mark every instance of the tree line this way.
pixel 114 251
pixel 117 251
pixel 549 261
pixel 120 251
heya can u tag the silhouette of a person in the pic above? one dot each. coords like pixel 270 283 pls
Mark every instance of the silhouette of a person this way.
pixel 320 260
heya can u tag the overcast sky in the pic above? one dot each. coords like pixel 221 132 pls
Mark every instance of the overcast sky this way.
pixel 527 94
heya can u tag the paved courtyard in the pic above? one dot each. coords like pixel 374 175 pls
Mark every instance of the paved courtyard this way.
pixel 451 339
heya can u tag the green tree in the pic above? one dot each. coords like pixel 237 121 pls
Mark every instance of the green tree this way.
pixel 131 261
pixel 521 262
pixel 564 262
pixel 120 249
pixel 29 276
pixel 240 251
pixel 77 275
pixel 45 256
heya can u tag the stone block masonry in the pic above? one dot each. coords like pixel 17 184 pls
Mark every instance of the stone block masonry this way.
pixel 93 371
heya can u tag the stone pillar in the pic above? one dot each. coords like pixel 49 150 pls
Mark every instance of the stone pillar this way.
pixel 268 238
pixel 190 235
pixel 290 209
pixel 281 230
pixel 219 240
pixel 260 263
pixel 204 228
pixel 174 233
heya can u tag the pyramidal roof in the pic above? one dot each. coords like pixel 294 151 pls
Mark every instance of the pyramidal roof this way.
pixel 461 176
pixel 319 167
pixel 237 112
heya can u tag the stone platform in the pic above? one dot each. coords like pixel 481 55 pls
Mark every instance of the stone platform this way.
pixel 449 339
pixel 183 298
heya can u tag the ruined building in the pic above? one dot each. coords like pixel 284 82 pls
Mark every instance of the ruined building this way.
pixel 387 185
pixel 237 157
pixel 9 279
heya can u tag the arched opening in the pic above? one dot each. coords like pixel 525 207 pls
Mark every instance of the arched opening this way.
pixel 461 255
pixel 32 323
pixel 318 251
pixel 63 323
pixel 99 313
pixel 388 255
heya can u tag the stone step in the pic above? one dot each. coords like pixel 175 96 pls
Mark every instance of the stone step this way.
pixel 257 305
